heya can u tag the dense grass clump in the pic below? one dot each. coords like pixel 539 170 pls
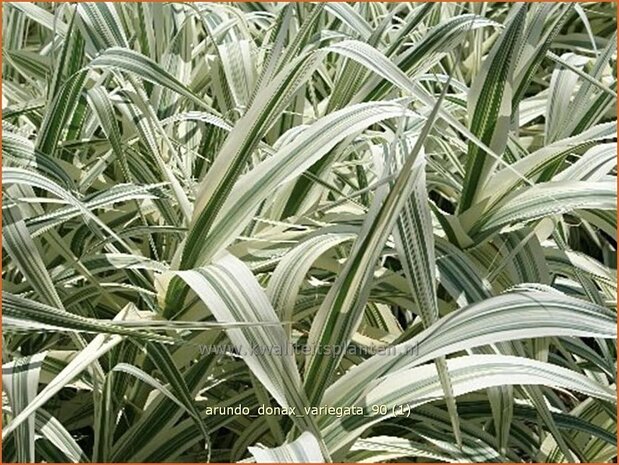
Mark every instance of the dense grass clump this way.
pixel 309 232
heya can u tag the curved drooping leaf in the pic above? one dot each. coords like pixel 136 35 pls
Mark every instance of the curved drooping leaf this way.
pixel 506 317
pixel 303 449
pixel 468 374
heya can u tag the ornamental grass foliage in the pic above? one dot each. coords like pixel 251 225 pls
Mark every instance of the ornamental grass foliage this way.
pixel 309 232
